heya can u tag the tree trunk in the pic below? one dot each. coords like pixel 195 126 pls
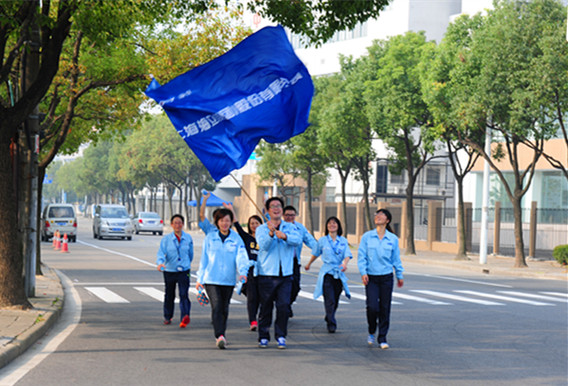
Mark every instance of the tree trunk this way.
pixel 40 176
pixel 461 253
pixel 410 248
pixel 12 290
pixel 520 261
pixel 310 208
pixel 344 200
pixel 366 185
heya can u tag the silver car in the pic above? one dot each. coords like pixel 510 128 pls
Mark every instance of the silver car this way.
pixel 59 217
pixel 112 221
pixel 148 222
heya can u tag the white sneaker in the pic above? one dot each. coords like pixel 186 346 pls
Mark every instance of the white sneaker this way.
pixel 371 339
pixel 384 345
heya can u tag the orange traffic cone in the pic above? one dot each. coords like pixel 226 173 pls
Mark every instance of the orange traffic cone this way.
pixel 57 240
pixel 64 245
pixel 54 243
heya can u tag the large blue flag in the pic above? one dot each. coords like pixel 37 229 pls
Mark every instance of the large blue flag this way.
pixel 258 89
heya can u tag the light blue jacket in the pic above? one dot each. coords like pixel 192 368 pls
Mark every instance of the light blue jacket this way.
pixel 176 255
pixel 221 260
pixel 206 226
pixel 307 239
pixel 379 257
pixel 332 255
pixel 274 252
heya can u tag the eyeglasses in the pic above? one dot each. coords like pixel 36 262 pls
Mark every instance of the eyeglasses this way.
pixel 289 214
pixel 275 206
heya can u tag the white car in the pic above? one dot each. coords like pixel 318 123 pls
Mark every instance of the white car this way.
pixel 148 222
pixel 112 221
pixel 59 217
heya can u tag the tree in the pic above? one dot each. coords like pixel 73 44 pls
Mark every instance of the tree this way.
pixel 276 164
pixel 442 94
pixel 503 94
pixel 399 114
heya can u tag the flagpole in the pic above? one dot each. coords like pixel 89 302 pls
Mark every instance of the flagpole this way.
pixel 249 197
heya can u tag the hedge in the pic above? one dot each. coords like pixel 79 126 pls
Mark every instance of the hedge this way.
pixel 560 253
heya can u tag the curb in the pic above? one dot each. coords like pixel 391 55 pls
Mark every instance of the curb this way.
pixel 488 269
pixel 49 308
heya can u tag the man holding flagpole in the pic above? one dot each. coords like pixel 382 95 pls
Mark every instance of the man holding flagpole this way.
pixel 277 241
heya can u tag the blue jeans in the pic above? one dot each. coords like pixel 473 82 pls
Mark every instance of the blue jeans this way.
pixel 219 297
pixel 331 291
pixel 170 281
pixel 274 290
pixel 379 296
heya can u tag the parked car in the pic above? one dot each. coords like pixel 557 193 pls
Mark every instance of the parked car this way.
pixel 59 217
pixel 148 222
pixel 112 221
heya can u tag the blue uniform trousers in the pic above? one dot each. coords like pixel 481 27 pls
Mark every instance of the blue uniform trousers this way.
pixel 182 280
pixel 274 290
pixel 379 296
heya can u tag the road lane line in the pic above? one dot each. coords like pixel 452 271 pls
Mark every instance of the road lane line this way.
pixel 154 293
pixel 555 294
pixel 309 295
pixel 507 298
pixel 363 297
pixel 419 299
pixel 460 280
pixel 106 295
pixel 534 296
pixel 118 253
pixel 457 297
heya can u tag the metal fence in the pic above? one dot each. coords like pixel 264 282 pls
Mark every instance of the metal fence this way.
pixel 551 228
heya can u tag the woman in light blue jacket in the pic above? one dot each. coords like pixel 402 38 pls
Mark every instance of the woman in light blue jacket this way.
pixel 335 255
pixel 378 255
pixel 223 254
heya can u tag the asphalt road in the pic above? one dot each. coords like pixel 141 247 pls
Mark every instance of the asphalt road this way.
pixel 447 328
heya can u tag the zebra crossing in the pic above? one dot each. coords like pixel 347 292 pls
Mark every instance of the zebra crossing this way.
pixel 115 293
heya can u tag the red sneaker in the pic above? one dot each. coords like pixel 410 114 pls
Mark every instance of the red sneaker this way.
pixel 184 322
pixel 253 325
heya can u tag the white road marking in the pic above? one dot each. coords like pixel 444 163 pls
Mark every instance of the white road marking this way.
pixel 419 299
pixel 457 297
pixel 118 253
pixel 363 297
pixel 555 294
pixel 106 295
pixel 506 298
pixel 534 296
pixel 153 293
pixel 309 295
pixel 461 280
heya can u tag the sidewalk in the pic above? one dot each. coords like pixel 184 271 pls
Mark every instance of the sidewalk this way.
pixel 20 329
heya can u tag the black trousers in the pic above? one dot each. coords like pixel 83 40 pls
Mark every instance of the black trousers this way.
pixel 295 280
pixel 219 299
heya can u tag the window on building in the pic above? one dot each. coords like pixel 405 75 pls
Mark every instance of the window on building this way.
pixel 397 178
pixel 382 173
pixel 433 176
pixel 330 193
